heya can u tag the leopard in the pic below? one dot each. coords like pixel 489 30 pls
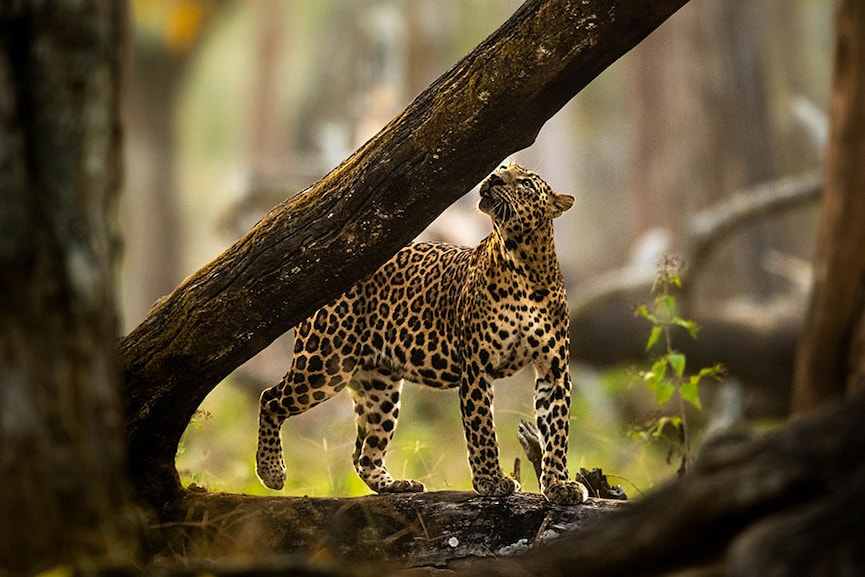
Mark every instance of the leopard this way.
pixel 447 317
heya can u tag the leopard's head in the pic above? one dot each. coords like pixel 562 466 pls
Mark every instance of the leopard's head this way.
pixel 519 201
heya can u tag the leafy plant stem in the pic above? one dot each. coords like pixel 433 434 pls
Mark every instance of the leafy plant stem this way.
pixel 685 438
pixel 667 376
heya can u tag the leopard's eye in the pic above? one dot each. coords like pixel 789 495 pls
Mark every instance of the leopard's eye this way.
pixel 528 183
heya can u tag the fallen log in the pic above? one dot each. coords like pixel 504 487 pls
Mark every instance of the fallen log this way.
pixel 407 530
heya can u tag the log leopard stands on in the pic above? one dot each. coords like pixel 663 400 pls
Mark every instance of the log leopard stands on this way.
pixel 410 530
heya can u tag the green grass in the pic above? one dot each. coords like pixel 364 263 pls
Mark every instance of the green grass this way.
pixel 218 448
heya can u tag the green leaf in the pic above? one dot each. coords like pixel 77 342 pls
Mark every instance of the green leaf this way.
pixel 659 369
pixel 654 336
pixel 642 311
pixel 691 393
pixel 657 430
pixel 716 372
pixel 677 361
pixel 674 421
pixel 689 326
pixel 664 390
pixel 674 278
pixel 654 378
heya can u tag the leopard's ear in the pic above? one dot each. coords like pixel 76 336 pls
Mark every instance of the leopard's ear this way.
pixel 559 203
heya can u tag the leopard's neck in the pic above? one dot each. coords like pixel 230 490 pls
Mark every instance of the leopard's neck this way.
pixel 531 255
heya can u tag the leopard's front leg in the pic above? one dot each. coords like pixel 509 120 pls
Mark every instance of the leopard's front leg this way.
pixel 476 401
pixel 552 412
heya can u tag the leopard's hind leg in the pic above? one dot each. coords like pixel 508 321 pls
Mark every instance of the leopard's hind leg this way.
pixel 376 409
pixel 269 461
pixel 316 374
pixel 292 396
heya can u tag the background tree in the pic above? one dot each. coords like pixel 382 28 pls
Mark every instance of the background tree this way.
pixel 831 357
pixel 163 47
pixel 713 118
pixel 62 459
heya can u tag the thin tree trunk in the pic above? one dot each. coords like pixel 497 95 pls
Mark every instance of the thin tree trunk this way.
pixel 62 463
pixel 831 352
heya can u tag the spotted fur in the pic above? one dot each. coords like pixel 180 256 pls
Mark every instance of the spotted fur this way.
pixel 446 317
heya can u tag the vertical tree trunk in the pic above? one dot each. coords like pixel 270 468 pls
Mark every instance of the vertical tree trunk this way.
pixel 833 340
pixel 62 463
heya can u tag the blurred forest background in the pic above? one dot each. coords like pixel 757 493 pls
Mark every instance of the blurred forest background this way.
pixel 235 105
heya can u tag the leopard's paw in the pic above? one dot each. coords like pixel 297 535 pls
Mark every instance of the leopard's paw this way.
pixel 271 471
pixel 495 486
pixel 562 492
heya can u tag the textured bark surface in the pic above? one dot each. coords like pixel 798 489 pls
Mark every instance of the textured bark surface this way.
pixel 309 249
pixel 421 529
pixel 62 463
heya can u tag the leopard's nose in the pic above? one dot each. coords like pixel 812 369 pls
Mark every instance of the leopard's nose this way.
pixel 495 180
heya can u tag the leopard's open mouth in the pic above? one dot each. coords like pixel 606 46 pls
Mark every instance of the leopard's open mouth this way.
pixel 492 203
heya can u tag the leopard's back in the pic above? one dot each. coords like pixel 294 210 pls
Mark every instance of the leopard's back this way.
pixel 405 317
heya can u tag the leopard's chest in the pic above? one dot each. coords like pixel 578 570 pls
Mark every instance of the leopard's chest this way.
pixel 510 324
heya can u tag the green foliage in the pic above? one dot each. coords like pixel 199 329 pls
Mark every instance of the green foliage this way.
pixel 667 378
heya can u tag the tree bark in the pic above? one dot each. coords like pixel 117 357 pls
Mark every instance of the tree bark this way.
pixel 422 529
pixel 831 355
pixel 62 460
pixel 310 248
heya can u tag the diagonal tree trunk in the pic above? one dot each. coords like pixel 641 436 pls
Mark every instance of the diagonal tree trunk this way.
pixel 310 248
